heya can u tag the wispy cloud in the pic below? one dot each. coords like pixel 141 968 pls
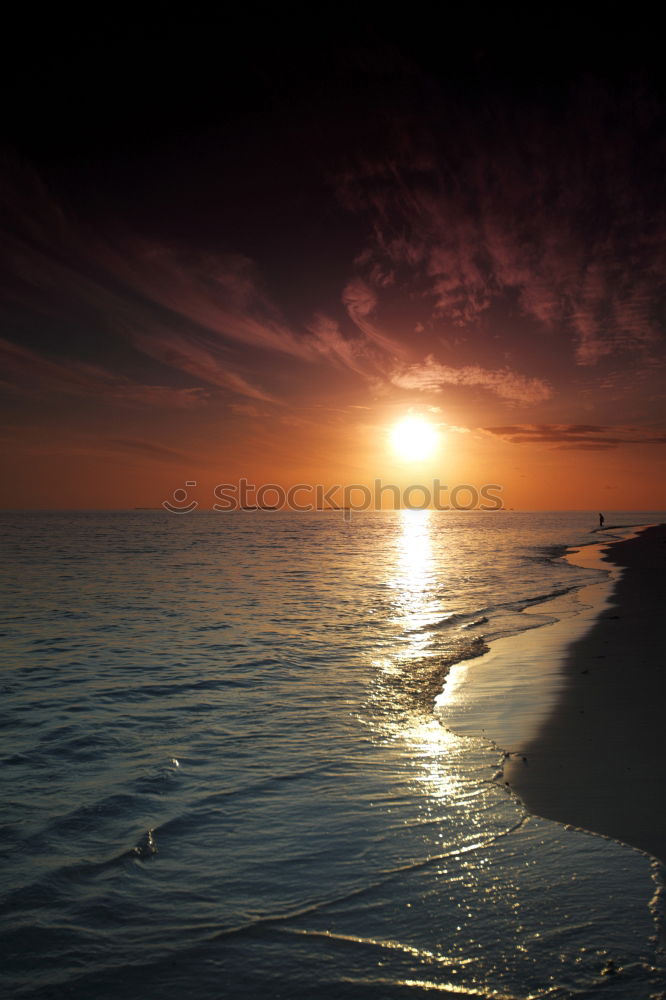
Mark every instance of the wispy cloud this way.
pixel 202 314
pixel 361 302
pixel 58 270
pixel 344 352
pixel 432 377
pixel 186 311
pixel 195 355
pixel 220 294
pixel 31 371
pixel 509 215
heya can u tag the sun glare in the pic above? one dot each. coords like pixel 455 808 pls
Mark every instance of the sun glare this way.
pixel 414 439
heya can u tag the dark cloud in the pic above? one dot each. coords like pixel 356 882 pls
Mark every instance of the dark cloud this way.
pixel 370 212
pixel 560 215
pixel 581 437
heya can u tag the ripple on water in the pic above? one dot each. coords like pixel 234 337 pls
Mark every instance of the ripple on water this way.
pixel 222 770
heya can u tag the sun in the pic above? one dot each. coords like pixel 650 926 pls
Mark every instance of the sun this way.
pixel 414 439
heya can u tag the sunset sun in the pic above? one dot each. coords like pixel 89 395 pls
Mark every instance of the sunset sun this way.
pixel 414 439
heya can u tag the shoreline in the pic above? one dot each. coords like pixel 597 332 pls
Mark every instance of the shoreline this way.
pixel 597 760
pixel 509 694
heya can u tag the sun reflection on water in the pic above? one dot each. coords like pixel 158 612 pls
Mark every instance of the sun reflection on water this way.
pixel 429 744
pixel 414 576
pixel 403 680
pixel 414 582
pixel 410 673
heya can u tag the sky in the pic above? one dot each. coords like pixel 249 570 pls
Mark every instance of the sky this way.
pixel 247 247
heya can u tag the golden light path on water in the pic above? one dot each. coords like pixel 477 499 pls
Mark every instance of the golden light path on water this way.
pixel 448 825
pixel 455 820
pixel 404 684
pixel 411 580
pixel 473 852
pixel 414 581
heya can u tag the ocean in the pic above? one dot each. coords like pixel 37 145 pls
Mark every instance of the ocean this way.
pixel 223 774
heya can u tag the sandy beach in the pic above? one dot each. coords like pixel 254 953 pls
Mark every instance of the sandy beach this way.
pixel 599 760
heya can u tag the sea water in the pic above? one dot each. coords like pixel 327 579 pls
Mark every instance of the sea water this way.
pixel 222 774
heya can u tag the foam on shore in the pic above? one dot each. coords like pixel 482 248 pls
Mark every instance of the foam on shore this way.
pixel 577 705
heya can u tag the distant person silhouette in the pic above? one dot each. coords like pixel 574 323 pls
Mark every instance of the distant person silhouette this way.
pixel 601 520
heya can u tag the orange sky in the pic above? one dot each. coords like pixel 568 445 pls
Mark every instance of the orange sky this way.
pixel 205 281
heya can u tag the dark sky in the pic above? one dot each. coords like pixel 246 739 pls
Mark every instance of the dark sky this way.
pixel 249 243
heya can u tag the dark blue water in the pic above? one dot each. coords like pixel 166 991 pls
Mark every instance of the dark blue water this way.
pixel 222 776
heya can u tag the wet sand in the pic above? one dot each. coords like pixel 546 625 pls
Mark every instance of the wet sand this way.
pixel 599 760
